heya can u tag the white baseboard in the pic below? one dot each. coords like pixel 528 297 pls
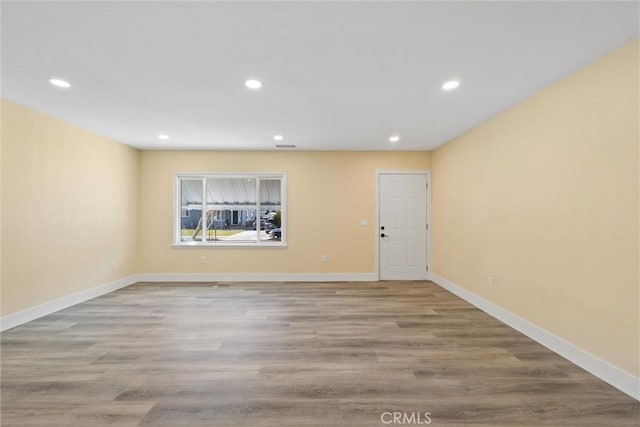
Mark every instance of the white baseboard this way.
pixel 257 277
pixel 618 378
pixel 12 320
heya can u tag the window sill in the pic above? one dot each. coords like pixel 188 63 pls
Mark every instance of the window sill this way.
pixel 263 245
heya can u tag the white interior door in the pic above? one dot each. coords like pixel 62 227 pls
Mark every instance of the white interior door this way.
pixel 402 230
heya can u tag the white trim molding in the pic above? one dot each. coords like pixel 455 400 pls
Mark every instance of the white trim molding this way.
pixel 256 277
pixel 15 319
pixel 613 375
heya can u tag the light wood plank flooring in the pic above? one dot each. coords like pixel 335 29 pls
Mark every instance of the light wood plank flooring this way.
pixel 290 354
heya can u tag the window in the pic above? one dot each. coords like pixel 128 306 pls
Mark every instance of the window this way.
pixel 230 210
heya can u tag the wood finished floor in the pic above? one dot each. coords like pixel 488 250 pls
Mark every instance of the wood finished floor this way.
pixel 290 354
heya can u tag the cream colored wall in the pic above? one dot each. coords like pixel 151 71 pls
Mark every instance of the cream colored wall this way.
pixel 544 199
pixel 69 209
pixel 1 299
pixel 328 193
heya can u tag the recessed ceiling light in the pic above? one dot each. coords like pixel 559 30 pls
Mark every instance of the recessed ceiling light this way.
pixel 278 137
pixel 451 84
pixel 253 84
pixel 163 136
pixel 60 83
pixel 394 138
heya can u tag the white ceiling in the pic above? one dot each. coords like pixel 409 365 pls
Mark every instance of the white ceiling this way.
pixel 336 75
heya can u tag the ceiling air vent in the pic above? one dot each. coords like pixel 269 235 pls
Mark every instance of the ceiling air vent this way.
pixel 285 146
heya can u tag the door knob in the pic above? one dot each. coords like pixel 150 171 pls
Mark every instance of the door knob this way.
pixel 384 235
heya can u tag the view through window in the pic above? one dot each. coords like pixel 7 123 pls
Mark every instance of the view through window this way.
pixel 218 209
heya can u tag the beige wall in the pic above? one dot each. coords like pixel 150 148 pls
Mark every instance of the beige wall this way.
pixel 328 193
pixel 69 209
pixel 1 126
pixel 544 198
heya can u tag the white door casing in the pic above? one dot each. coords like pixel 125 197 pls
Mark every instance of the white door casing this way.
pixel 402 211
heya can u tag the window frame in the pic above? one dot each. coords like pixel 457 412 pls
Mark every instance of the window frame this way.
pixel 257 176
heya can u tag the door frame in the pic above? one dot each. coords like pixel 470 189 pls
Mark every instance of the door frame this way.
pixel 380 172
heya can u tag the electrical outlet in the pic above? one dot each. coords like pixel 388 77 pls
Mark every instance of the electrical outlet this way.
pixel 325 258
pixel 203 260
pixel 490 283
